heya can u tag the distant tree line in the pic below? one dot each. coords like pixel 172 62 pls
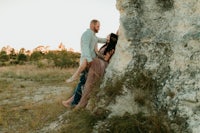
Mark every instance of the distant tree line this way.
pixel 62 59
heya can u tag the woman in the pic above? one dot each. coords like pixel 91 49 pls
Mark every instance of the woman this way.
pixel 96 71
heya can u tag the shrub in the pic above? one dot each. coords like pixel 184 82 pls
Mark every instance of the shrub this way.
pixel 36 55
pixel 136 123
pixel 165 4
pixel 65 59
pixel 4 57
pixel 22 58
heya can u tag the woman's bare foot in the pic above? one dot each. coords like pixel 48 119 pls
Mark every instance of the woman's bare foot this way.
pixel 70 80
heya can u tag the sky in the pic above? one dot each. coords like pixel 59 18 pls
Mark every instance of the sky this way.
pixel 30 23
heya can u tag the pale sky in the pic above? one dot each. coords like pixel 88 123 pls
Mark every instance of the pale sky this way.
pixel 30 23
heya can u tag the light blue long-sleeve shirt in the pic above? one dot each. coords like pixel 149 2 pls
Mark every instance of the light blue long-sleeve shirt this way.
pixel 88 43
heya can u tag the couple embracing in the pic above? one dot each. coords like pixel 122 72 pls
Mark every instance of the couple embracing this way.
pixel 93 63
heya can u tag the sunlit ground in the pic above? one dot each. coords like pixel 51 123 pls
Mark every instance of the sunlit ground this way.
pixel 31 97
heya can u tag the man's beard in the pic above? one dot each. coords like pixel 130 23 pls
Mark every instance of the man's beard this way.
pixel 96 31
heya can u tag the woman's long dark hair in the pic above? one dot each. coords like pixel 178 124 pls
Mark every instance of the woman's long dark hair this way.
pixel 112 43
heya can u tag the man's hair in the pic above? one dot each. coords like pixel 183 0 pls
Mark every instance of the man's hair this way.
pixel 94 21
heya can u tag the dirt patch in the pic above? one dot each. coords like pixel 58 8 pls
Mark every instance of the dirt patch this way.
pixel 35 95
pixel 31 101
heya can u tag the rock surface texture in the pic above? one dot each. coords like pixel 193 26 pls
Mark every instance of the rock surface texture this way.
pixel 159 40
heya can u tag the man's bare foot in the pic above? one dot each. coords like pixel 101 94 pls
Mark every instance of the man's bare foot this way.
pixel 66 104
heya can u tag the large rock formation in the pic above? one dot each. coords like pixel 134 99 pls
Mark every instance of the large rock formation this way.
pixel 158 57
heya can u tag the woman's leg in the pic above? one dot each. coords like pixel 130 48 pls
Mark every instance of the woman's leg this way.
pixel 80 69
pixel 95 73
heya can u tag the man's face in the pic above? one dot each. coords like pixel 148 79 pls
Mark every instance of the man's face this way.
pixel 96 27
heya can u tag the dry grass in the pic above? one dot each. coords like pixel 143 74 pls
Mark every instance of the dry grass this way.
pixel 21 112
pixel 137 123
pixel 80 121
pixel 4 84
pixel 29 117
pixel 35 74
pixel 20 88
pixel 140 97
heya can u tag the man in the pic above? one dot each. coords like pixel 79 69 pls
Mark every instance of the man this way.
pixel 89 42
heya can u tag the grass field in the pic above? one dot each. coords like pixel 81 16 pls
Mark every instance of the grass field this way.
pixel 31 97
pixel 30 102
